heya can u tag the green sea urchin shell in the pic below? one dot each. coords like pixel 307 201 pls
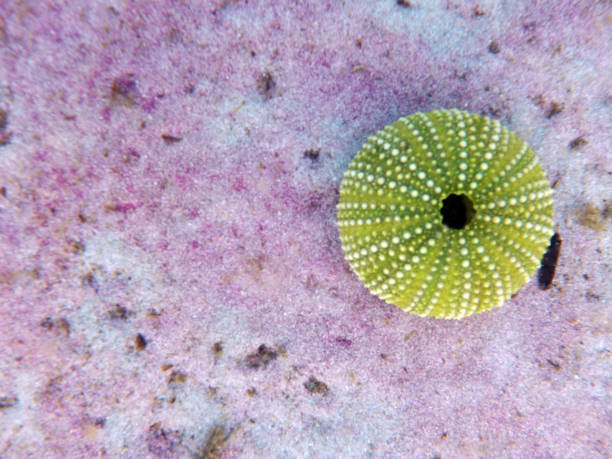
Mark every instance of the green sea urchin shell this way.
pixel 445 213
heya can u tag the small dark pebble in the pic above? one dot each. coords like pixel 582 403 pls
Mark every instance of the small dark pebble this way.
pixel 91 280
pixel 77 247
pixel 546 273
pixel 493 47
pixel 477 12
pixel 5 138
pixel 314 386
pixel 217 349
pixel 100 422
pixel 170 139
pixel 47 323
pixel 162 442
pixel 261 357
pixel 578 142
pixel 118 313
pixel 62 325
pixel 177 377
pixel 215 442
pixel 312 153
pixel 123 91
pixel 5 135
pixel 140 342
pixel 554 109
pixel 7 402
pixel 266 85
pixel 529 26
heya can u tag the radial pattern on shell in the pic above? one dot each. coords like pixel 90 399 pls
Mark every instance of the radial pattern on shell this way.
pixel 445 213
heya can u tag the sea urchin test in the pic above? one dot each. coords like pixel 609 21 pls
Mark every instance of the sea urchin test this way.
pixel 445 213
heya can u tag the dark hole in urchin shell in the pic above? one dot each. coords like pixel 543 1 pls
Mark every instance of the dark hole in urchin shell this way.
pixel 457 211
pixel 546 273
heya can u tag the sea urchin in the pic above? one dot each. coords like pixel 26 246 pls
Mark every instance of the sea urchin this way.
pixel 445 213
